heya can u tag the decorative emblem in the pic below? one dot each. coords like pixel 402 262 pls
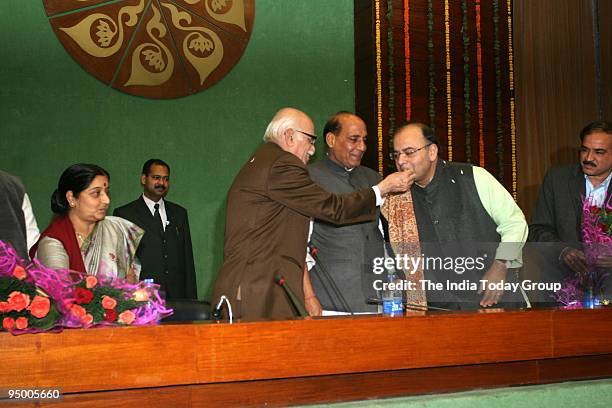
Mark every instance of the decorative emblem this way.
pixel 154 48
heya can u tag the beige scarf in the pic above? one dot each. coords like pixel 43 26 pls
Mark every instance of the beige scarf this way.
pixel 404 237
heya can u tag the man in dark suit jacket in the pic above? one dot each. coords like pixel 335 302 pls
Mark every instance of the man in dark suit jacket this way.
pixel 268 209
pixel 558 214
pixel 165 250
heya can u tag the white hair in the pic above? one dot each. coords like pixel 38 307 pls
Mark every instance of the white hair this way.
pixel 284 119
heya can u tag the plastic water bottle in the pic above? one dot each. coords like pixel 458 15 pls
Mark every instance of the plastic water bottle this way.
pixel 393 304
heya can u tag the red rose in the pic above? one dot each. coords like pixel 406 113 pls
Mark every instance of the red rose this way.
pixel 19 272
pixel 87 319
pixel 110 315
pixel 21 323
pixel 83 296
pixel 8 323
pixel 127 317
pixel 78 311
pixel 18 301
pixel 108 302
pixel 40 306
pixel 5 307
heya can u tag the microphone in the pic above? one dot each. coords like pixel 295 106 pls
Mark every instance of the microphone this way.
pixel 216 313
pixel 280 281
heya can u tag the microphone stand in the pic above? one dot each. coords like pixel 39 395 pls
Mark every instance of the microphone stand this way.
pixel 280 281
pixel 321 268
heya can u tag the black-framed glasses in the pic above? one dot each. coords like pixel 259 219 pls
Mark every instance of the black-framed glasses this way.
pixel 409 151
pixel 313 138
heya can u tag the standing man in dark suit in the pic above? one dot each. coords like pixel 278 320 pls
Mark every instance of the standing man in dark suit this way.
pixel 269 206
pixel 165 250
pixel 558 212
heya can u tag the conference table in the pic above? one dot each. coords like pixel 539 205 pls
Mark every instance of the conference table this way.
pixel 308 360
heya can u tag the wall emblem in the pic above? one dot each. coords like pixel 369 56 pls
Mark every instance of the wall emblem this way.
pixel 154 48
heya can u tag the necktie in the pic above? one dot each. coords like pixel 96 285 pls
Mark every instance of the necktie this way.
pixel 157 216
pixel 404 237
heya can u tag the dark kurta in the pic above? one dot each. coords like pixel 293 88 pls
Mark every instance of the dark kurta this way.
pixel 345 252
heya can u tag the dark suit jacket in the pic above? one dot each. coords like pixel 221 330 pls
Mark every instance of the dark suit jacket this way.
pixel 558 212
pixel 166 256
pixel 556 223
pixel 268 209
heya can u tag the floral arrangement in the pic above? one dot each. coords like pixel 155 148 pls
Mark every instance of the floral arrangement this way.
pixel 583 290
pixel 34 298
pixel 23 305
pixel 103 301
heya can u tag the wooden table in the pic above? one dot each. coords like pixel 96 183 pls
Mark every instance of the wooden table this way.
pixel 307 361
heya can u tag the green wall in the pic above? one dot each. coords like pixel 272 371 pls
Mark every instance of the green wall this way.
pixel 53 113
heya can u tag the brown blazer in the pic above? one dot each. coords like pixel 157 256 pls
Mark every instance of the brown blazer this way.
pixel 269 206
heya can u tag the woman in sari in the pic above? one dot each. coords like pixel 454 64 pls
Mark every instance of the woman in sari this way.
pixel 81 237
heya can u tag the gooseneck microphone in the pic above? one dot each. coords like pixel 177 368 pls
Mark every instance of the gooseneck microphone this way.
pixel 280 281
pixel 216 313
pixel 319 267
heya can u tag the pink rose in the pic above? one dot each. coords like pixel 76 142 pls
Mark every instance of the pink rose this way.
pixel 108 302
pixel 91 281
pixel 5 307
pixel 87 319
pixel 19 272
pixel 126 317
pixel 8 323
pixel 18 301
pixel 40 306
pixel 141 295
pixel 21 323
pixel 78 311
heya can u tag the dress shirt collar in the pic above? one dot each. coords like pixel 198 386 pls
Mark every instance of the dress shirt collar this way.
pixel 597 195
pixel 151 204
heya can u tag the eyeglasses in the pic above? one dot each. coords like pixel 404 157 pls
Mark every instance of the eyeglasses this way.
pixel 313 138
pixel 408 152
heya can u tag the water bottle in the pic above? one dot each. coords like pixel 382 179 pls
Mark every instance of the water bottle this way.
pixel 393 304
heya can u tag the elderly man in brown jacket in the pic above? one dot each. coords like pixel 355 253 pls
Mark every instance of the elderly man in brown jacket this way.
pixel 269 206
